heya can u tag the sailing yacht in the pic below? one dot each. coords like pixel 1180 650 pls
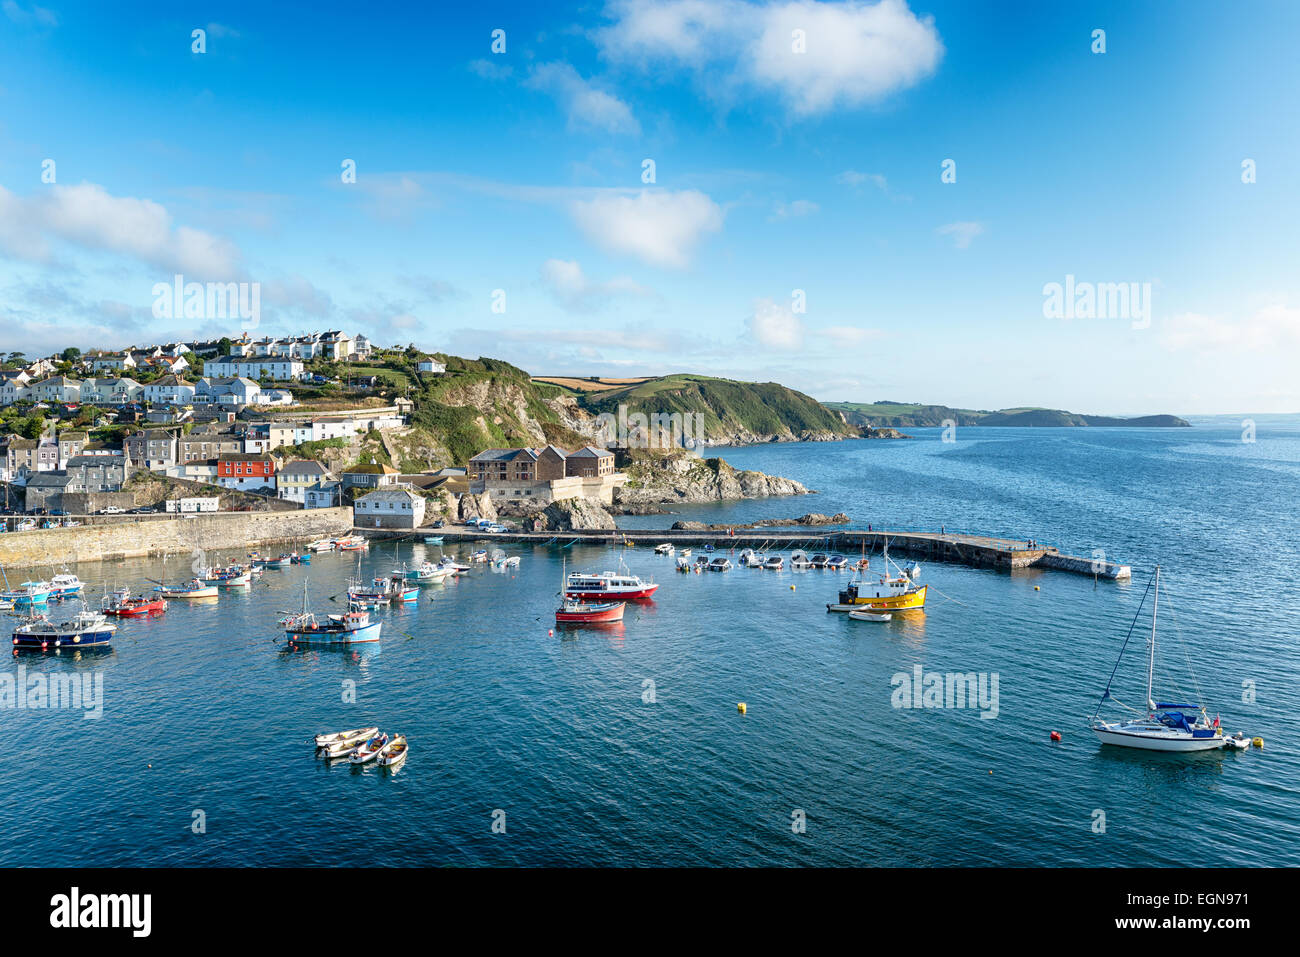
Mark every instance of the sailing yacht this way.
pixel 1165 726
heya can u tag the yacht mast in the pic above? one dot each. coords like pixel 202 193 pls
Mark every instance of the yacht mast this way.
pixel 1151 658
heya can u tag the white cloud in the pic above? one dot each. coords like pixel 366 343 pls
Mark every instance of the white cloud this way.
pixel 775 326
pixel 22 16
pixel 800 207
pixel 86 215
pixel 576 291
pixel 659 228
pixel 855 53
pixel 851 177
pixel 490 70
pixel 584 104
pixel 1274 326
pixel 962 233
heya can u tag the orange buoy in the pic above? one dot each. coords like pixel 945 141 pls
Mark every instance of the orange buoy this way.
pixel 1056 736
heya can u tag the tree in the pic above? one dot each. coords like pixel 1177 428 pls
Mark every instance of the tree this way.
pixel 71 354
pixel 224 346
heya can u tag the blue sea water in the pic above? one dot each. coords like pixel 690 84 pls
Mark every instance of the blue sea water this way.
pixel 625 746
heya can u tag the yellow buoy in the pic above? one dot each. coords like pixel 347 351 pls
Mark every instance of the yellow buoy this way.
pixel 792 588
pixel 741 707
pixel 1257 742
pixel 1035 588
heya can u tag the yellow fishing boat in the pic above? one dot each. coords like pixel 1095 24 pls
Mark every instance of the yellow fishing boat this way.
pixel 900 593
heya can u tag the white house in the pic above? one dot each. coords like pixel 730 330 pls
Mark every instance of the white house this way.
pixel 278 368
pixel 392 507
pixel 57 389
pixel 111 391
pixel 234 391
pixel 109 361
pixel 170 390
pixel 432 365
pixel 11 390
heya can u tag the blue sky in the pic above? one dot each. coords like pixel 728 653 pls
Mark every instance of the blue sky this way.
pixel 775 171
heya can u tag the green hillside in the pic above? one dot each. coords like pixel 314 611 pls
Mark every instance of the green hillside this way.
pixel 916 415
pixel 728 407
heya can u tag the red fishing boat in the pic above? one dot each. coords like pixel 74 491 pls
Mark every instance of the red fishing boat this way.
pixel 125 605
pixel 574 612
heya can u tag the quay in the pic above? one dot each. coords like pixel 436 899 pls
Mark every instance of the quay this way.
pixel 978 551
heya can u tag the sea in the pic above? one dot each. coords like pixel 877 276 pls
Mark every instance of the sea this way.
pixel 626 746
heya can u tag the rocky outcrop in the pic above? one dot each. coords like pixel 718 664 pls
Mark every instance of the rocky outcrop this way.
pixel 870 432
pixel 678 477
pixel 476 506
pixel 570 515
pixel 812 518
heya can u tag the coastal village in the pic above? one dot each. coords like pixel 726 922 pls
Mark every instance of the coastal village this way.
pixel 241 424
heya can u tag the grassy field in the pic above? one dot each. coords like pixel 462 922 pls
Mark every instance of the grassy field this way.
pixel 579 384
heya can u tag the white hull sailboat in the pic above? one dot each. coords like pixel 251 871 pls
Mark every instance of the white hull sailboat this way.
pixel 1165 726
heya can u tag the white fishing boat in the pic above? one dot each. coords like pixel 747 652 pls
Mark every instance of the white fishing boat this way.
pixel 747 559
pixel 1162 726
pixel 665 549
pixel 369 750
pixel 457 568
pixel 683 563
pixel 393 753
pixel 356 736
pixel 427 573
pixel 686 553
pixel 194 589
pixel 720 564
pixel 321 545
pixel 65 584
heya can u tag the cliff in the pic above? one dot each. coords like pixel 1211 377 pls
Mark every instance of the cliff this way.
pixel 678 477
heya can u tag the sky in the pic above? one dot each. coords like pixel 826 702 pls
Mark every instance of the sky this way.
pixel 863 201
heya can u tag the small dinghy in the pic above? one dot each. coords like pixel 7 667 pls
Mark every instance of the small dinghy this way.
pixel 1238 741
pixel 665 549
pixel 356 736
pixel 393 753
pixel 870 615
pixel 369 750
pixel 683 563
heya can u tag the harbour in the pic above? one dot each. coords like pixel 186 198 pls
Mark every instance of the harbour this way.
pixel 584 735
pixel 977 551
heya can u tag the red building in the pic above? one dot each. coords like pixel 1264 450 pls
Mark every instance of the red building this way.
pixel 245 471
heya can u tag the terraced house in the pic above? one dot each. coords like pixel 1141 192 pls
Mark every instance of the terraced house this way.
pixel 170 390
pixel 295 479
pixel 246 472
pixel 57 389
pixel 152 449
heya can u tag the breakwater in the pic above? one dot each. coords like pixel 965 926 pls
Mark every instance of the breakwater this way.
pixel 136 536
pixel 978 551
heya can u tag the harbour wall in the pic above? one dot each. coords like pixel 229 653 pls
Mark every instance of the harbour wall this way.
pixel 136 536
pixel 977 551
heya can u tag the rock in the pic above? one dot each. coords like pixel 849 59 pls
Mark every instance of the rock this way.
pixel 476 506
pixel 812 518
pixel 570 515
pixel 689 527
pixel 681 477
pixel 870 432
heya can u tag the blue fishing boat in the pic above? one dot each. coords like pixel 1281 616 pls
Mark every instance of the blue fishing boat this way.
pixel 351 628
pixel 29 593
pixel 86 629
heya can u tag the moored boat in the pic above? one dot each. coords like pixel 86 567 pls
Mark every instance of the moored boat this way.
pixel 774 563
pixel 1163 726
pixel 665 549
pixel 64 585
pixel 897 593
pixel 864 614
pixel 29 593
pixel 369 750
pixel 574 611
pixel 197 588
pixel 356 736
pixel 122 604
pixel 393 753
pixel 352 627
pixel 683 564
pixel 608 585
pixel 720 564
pixel 837 563
pixel 86 629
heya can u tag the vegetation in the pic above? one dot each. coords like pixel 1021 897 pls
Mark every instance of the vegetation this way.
pixel 915 415
pixel 727 406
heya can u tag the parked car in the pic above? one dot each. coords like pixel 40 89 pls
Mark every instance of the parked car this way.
pixel 57 511
pixel 110 510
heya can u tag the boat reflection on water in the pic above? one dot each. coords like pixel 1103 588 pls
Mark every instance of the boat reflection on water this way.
pixel 575 630
pixel 359 655
pixel 86 655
